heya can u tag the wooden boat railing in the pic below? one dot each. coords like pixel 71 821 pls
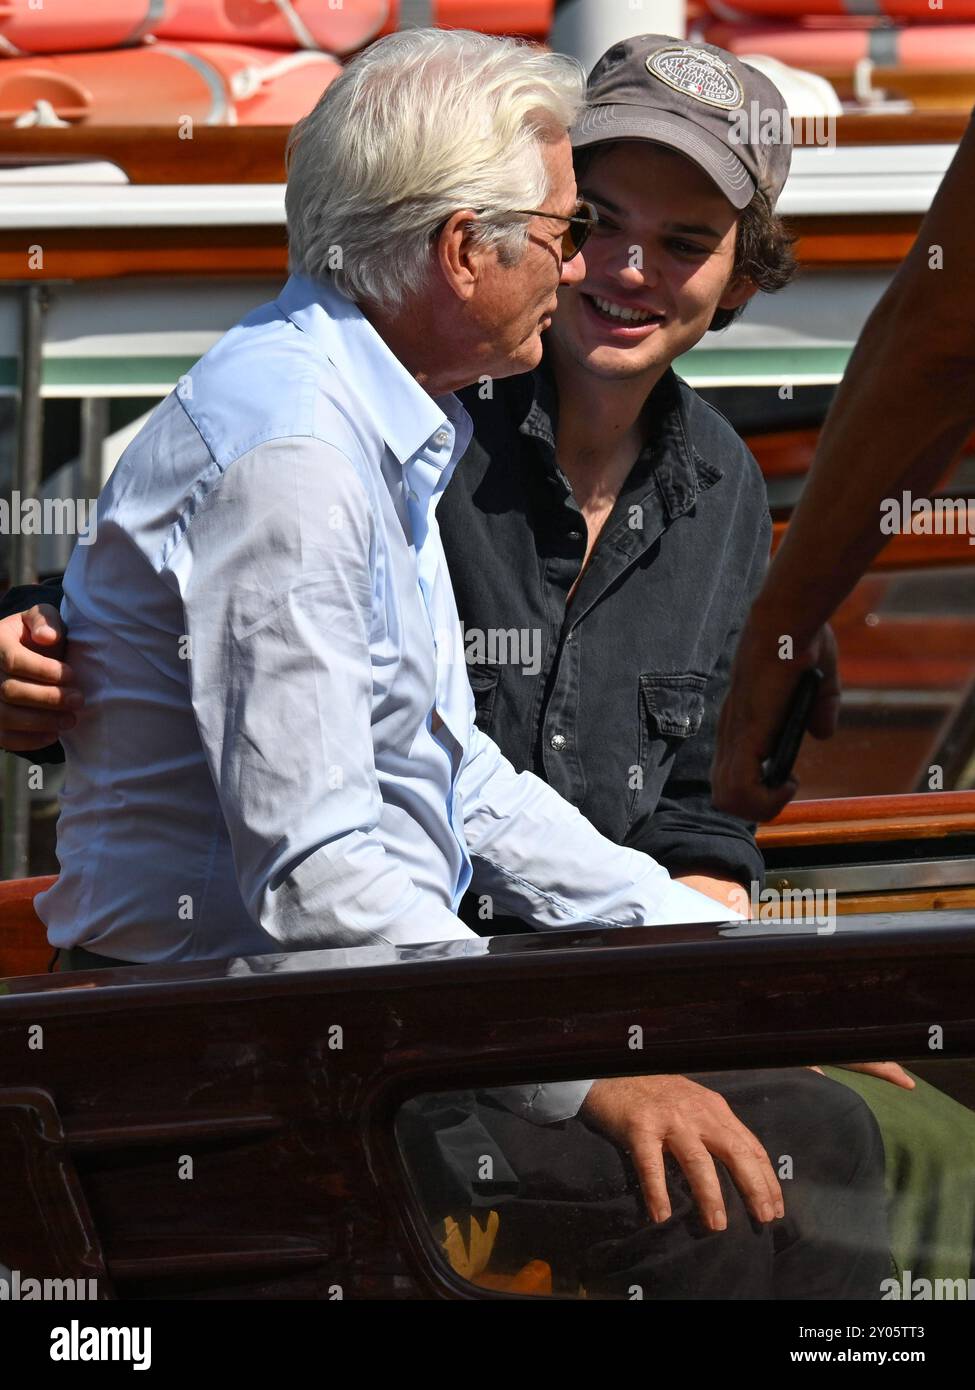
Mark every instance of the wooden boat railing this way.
pixel 23 944
pixel 298 1182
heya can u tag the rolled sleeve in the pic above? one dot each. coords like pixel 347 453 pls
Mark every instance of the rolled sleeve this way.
pixel 541 860
pixel 545 1104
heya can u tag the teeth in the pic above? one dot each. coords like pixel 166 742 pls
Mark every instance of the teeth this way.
pixel 628 315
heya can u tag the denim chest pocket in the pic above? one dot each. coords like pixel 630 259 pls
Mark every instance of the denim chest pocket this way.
pixel 671 710
pixel 674 705
pixel 484 685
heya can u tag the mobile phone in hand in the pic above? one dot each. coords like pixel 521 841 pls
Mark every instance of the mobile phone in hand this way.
pixel 777 767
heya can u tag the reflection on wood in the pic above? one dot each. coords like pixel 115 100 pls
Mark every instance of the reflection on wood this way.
pixel 850 820
pixel 915 552
pixel 100 253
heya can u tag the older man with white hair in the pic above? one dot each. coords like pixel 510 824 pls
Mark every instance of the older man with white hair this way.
pixel 278 748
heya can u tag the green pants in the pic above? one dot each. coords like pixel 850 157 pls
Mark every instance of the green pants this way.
pixel 929 1140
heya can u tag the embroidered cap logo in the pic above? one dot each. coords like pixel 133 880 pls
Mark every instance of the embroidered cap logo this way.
pixel 697 74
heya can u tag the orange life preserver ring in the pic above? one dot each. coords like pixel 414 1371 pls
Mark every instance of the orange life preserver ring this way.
pixel 333 26
pixel 950 11
pixel 915 46
pixel 531 18
pixel 60 26
pixel 213 84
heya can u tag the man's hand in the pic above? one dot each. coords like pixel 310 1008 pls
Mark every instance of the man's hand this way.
pixel 38 696
pixel 761 687
pixel 653 1115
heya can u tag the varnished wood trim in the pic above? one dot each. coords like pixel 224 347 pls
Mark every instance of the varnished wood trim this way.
pixel 941 91
pixel 95 253
pixel 912 552
pixel 156 154
pixel 880 240
pixel 918 805
pixel 852 820
pixel 868 830
pixel 916 900
pixel 917 128
pixel 210 1129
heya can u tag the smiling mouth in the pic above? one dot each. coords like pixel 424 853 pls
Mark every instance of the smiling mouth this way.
pixel 620 316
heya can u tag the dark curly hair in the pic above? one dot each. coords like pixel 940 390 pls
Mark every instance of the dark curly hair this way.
pixel 763 244
pixel 763 253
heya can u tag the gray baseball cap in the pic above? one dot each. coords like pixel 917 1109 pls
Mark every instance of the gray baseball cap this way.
pixel 725 116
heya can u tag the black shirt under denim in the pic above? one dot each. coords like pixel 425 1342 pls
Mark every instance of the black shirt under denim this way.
pixel 621 716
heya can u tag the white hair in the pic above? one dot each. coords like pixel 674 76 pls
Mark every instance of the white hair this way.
pixel 419 125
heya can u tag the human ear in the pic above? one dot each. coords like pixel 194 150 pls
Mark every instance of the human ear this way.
pixel 458 257
pixel 737 292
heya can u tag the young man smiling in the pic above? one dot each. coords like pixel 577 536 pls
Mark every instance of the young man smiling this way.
pixel 632 515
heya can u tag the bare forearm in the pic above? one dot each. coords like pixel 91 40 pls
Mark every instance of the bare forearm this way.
pixel 902 412
pixel 724 890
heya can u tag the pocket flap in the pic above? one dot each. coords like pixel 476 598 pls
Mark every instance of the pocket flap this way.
pixel 674 704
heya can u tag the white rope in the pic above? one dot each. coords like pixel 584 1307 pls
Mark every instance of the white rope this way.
pixel 42 114
pixel 302 33
pixel 249 81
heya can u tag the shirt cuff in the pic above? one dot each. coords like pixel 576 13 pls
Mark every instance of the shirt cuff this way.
pixel 544 1104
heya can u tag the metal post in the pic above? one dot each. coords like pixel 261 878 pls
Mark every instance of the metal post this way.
pixel 23 552
pixel 586 28
pixel 94 430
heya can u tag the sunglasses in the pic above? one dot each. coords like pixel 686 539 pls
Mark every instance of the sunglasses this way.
pixel 577 232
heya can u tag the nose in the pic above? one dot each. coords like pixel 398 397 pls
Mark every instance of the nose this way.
pixel 574 271
pixel 636 271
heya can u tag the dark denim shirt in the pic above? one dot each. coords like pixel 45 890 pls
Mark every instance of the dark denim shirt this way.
pixel 620 715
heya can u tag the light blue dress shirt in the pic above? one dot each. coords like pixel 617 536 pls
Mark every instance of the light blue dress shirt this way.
pixel 278 749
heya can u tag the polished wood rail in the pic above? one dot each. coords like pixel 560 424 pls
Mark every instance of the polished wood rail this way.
pixel 858 819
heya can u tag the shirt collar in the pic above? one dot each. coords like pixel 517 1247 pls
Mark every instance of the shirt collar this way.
pixel 405 415
pixel 668 457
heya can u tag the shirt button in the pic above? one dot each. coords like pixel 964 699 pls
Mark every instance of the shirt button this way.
pixel 575 535
pixel 558 742
pixel 441 438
